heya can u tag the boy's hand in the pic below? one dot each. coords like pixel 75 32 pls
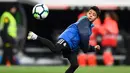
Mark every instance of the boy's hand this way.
pixel 32 36
pixel 97 47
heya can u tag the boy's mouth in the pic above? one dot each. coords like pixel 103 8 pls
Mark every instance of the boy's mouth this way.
pixel 89 18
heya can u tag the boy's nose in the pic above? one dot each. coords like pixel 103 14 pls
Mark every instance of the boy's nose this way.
pixel 90 15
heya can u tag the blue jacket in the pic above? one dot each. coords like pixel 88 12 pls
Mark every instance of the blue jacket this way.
pixel 77 34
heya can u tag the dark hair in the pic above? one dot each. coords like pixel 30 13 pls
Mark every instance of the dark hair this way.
pixel 96 9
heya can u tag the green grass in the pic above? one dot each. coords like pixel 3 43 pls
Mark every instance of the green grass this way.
pixel 61 69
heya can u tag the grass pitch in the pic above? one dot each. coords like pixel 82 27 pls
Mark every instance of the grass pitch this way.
pixel 61 69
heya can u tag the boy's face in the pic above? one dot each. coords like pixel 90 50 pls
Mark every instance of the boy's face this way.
pixel 92 15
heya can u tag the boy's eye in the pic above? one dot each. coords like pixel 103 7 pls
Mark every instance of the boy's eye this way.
pixel 94 15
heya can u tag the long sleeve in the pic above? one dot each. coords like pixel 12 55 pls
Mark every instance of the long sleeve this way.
pixel 84 31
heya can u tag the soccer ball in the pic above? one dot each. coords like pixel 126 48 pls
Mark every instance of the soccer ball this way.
pixel 40 11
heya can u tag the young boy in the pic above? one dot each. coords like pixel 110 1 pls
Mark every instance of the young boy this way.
pixel 74 37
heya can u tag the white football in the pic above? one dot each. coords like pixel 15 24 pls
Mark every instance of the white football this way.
pixel 40 11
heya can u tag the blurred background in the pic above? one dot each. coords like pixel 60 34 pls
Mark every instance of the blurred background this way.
pixel 111 31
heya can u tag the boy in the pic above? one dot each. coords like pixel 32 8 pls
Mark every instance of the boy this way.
pixel 74 37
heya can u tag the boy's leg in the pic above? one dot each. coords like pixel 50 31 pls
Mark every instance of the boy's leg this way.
pixel 55 48
pixel 59 46
pixel 73 63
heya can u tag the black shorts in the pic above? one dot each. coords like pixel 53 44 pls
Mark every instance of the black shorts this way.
pixel 64 47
